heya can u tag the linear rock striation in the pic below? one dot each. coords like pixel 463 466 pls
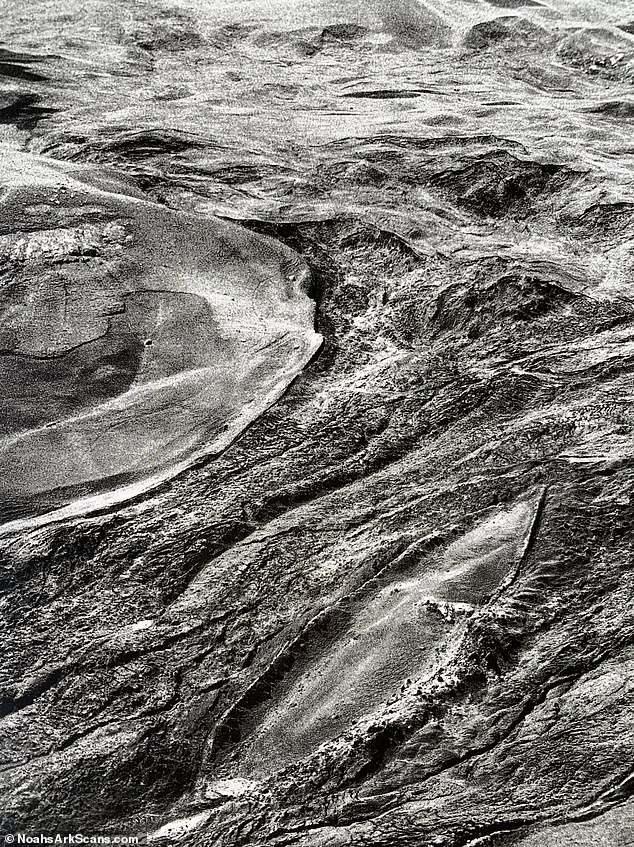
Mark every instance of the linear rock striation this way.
pixel 395 608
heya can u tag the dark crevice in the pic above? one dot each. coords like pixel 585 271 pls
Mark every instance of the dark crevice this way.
pixel 10 705
pixel 25 113
pixel 15 71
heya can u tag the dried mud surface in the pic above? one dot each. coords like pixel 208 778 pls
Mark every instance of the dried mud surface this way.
pixel 368 578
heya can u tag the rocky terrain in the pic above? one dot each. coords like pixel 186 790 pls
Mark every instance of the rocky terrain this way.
pixel 316 448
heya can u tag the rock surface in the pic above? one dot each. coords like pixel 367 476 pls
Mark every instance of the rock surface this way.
pixel 133 338
pixel 394 609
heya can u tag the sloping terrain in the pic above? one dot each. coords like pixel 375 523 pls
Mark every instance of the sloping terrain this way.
pixel 394 609
pixel 133 338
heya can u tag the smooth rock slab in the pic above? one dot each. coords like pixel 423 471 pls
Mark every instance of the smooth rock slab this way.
pixel 133 338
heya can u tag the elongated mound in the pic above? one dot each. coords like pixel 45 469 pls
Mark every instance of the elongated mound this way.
pixel 133 338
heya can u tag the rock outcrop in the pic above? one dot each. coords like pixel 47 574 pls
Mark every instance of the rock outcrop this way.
pixel 317 436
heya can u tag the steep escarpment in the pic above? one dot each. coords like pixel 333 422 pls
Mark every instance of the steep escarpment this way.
pixel 373 593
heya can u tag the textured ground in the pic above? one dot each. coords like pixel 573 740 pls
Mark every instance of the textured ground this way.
pixel 134 338
pixel 396 608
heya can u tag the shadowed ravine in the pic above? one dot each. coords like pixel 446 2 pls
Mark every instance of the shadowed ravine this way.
pixel 316 448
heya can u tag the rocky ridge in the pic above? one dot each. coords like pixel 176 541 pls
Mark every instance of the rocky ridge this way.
pixel 396 609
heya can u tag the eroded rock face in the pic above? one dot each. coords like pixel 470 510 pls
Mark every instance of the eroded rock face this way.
pixel 396 607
